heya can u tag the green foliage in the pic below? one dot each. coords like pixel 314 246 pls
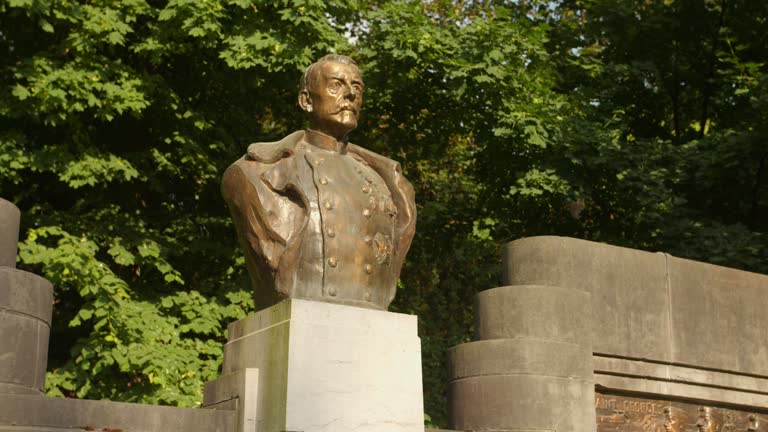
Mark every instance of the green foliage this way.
pixel 637 123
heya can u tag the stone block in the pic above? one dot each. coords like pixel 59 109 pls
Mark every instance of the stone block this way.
pixel 534 311
pixel 25 315
pixel 719 317
pixel 521 402
pixel 10 217
pixel 239 391
pixel 26 293
pixel 629 289
pixel 327 367
pixel 24 351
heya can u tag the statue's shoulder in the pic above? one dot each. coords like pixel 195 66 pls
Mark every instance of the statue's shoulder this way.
pixel 259 158
pixel 270 152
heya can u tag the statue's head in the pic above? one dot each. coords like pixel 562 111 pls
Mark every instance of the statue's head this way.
pixel 332 95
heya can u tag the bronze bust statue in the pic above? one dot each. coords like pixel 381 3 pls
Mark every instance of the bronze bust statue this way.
pixel 317 217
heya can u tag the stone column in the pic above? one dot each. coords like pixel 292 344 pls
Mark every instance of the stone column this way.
pixel 26 302
pixel 322 367
pixel 530 367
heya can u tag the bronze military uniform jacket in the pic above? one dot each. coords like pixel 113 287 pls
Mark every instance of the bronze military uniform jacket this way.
pixel 327 225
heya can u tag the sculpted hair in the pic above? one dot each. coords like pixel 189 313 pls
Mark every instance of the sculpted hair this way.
pixel 311 73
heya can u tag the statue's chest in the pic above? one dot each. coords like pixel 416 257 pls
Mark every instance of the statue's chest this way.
pixel 357 219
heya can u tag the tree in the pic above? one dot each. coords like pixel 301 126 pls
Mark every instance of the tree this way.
pixel 640 123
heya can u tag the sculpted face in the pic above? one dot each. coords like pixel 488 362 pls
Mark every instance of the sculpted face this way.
pixel 333 100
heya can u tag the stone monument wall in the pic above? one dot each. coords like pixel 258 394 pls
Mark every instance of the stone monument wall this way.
pixel 26 302
pixel 677 345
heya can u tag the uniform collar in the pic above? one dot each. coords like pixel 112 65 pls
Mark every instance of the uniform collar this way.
pixel 325 142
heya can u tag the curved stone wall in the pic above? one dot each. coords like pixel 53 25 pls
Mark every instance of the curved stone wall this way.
pixel 26 302
pixel 579 319
pixel 531 366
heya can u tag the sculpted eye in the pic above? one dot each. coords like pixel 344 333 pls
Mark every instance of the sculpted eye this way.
pixel 358 88
pixel 335 86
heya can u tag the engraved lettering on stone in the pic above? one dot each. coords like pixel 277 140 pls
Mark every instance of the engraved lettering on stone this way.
pixel 629 414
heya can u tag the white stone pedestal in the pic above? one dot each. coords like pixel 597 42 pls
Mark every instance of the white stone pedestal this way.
pixel 323 368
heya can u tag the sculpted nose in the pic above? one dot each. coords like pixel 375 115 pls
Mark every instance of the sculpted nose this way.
pixel 350 93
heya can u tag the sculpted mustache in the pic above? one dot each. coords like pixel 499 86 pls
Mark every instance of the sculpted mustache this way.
pixel 346 108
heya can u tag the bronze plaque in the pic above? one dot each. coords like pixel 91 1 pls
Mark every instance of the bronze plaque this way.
pixel 629 414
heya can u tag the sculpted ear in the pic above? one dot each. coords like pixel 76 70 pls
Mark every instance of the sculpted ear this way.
pixel 305 101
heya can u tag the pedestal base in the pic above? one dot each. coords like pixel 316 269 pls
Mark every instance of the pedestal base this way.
pixel 324 367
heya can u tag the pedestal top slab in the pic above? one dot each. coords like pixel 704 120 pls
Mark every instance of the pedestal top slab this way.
pixel 322 313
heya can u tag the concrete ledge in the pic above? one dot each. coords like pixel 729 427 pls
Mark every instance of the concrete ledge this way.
pixel 519 356
pixel 681 382
pixel 640 369
pixel 19 389
pixel 683 391
pixel 534 311
pixel 36 413
pixel 10 217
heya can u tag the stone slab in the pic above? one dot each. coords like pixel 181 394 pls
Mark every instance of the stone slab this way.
pixel 33 413
pixel 327 367
pixel 534 311
pixel 519 356
pixel 719 317
pixel 26 293
pixel 629 289
pixel 9 233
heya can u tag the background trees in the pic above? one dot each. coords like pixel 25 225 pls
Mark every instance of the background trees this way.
pixel 634 122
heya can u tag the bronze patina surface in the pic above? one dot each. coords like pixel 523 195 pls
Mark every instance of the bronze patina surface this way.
pixel 631 414
pixel 320 218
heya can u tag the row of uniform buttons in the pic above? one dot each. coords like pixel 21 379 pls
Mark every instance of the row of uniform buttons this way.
pixel 331 233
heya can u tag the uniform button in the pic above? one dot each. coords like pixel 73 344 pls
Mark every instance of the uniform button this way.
pixel 332 291
pixel 332 262
pixel 317 161
pixel 359 170
pixel 323 181
pixel 368 268
pixel 331 232
pixel 367 239
pixel 366 189
pixel 367 296
pixel 369 180
pixel 367 213
pixel 327 205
